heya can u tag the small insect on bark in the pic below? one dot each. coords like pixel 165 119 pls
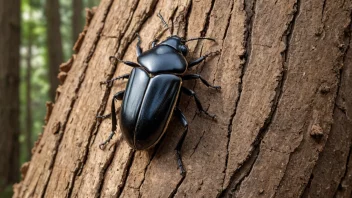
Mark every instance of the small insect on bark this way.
pixel 152 93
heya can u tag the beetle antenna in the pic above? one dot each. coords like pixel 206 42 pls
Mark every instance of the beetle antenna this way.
pixel 166 26
pixel 199 38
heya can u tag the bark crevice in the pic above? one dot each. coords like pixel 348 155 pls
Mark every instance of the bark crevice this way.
pixel 343 178
pixel 173 193
pixel 196 146
pixel 126 173
pixel 207 20
pixel 250 13
pixel 146 168
pixel 228 23
pixel 286 38
pixel 104 169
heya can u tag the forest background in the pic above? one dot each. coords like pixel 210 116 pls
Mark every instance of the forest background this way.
pixel 48 30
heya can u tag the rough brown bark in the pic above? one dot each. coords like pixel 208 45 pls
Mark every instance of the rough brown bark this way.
pixel 9 91
pixel 54 44
pixel 283 126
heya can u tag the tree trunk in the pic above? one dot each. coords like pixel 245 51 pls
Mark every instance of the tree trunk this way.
pixel 9 91
pixel 282 130
pixel 76 18
pixel 29 120
pixel 54 44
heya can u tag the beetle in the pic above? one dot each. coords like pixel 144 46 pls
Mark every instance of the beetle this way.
pixel 152 93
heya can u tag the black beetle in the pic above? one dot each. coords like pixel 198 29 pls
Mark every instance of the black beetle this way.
pixel 153 91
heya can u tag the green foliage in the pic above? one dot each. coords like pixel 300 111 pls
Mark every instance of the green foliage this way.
pixel 33 29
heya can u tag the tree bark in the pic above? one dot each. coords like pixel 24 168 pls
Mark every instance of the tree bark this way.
pixel 54 44
pixel 9 91
pixel 283 125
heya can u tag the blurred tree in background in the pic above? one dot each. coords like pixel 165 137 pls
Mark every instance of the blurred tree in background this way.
pixel 48 29
pixel 9 94
pixel 54 43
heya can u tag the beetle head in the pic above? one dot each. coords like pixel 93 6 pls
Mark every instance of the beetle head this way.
pixel 177 43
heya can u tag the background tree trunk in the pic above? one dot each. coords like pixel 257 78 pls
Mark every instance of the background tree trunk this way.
pixel 9 91
pixel 29 120
pixel 283 127
pixel 54 44
pixel 76 18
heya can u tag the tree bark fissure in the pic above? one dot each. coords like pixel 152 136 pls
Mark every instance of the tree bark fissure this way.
pixel 286 37
pixel 173 193
pixel 146 168
pixel 126 173
pixel 227 26
pixel 338 192
pixel 342 70
pixel 323 10
pixel 102 174
pixel 223 39
pixel 345 172
pixel 207 19
pixel 250 13
pixel 197 144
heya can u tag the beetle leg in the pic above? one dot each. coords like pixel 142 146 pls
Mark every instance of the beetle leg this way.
pixel 103 117
pixel 138 46
pixel 178 147
pixel 109 82
pixel 199 105
pixel 129 63
pixel 155 42
pixel 199 60
pixel 117 96
pixel 197 76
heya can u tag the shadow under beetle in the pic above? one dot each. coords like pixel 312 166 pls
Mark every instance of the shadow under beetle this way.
pixel 153 92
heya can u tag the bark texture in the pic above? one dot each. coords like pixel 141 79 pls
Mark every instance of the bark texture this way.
pixel 9 91
pixel 54 44
pixel 283 127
